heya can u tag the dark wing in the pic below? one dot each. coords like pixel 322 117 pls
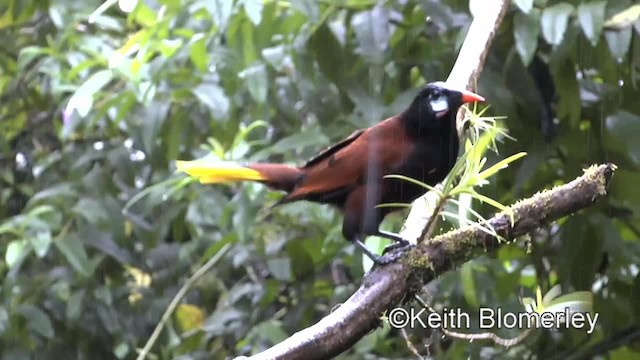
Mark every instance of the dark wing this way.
pixel 346 165
pixel 331 150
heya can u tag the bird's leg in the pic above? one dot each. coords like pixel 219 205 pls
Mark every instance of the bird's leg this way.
pixel 375 258
pixel 386 259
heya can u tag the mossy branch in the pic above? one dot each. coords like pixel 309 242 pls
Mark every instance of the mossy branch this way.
pixel 387 286
pixel 448 250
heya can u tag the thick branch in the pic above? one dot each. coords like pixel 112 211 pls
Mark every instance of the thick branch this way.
pixel 385 287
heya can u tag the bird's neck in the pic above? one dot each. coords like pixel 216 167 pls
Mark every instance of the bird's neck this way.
pixel 419 125
pixel 442 132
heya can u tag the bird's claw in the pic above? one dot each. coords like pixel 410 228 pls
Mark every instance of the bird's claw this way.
pixel 394 252
pixel 397 245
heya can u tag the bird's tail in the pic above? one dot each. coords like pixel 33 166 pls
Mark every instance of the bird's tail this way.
pixel 208 171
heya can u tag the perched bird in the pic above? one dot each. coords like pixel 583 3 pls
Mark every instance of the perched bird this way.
pixel 420 143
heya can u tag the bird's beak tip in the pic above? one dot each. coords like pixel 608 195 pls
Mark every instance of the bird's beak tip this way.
pixel 468 96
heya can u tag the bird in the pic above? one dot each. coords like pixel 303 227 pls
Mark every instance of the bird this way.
pixel 420 143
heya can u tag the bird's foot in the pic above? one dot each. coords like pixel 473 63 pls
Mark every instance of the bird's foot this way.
pixel 395 251
pixel 397 245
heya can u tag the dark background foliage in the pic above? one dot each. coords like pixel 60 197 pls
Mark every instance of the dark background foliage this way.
pixel 94 109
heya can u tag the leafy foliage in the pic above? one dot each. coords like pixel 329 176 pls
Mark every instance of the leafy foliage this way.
pixel 97 234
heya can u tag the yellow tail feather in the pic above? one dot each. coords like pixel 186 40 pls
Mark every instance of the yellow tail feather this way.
pixel 210 171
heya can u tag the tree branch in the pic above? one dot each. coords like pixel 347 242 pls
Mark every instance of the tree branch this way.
pixel 386 287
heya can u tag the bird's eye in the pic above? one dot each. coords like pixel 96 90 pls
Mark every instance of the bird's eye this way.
pixel 439 104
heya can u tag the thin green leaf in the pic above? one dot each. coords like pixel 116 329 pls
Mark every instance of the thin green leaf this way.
pixel 553 293
pixel 414 181
pixel 393 205
pixel 502 164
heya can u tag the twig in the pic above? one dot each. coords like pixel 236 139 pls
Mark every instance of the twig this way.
pixel 410 344
pixel 176 300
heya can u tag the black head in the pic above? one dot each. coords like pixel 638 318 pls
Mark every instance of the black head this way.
pixel 436 104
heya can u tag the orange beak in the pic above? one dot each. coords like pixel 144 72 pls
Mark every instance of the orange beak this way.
pixel 468 96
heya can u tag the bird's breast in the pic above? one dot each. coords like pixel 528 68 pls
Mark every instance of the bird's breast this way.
pixel 429 161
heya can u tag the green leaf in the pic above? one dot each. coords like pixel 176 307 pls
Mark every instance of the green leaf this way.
pixel 96 13
pixel 16 252
pixel 275 56
pixel 488 200
pixel 619 43
pixel 414 181
pixel 302 263
pixel 308 7
pixel 28 54
pixel 624 187
pixel 524 5
pixel 624 126
pixel 90 209
pixel 569 105
pixel 249 52
pixel 253 9
pixel 168 47
pixel 198 52
pixel 372 33
pixel 255 78
pixel 272 330
pixel 309 137
pixel 280 268
pixel 329 53
pixel 73 250
pixel 633 299
pixel 4 320
pixel 37 320
pixel 144 15
pixel 551 295
pixel 591 18
pixel 554 21
pixel 580 252
pixel 502 164
pixel 624 18
pixel 580 301
pixel 189 317
pixel 214 98
pixel 220 11
pixel 74 305
pixel 469 285
pixel 82 99
pixel 41 242
pixel 526 29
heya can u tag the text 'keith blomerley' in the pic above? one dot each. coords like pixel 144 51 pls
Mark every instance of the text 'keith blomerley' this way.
pixel 489 318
